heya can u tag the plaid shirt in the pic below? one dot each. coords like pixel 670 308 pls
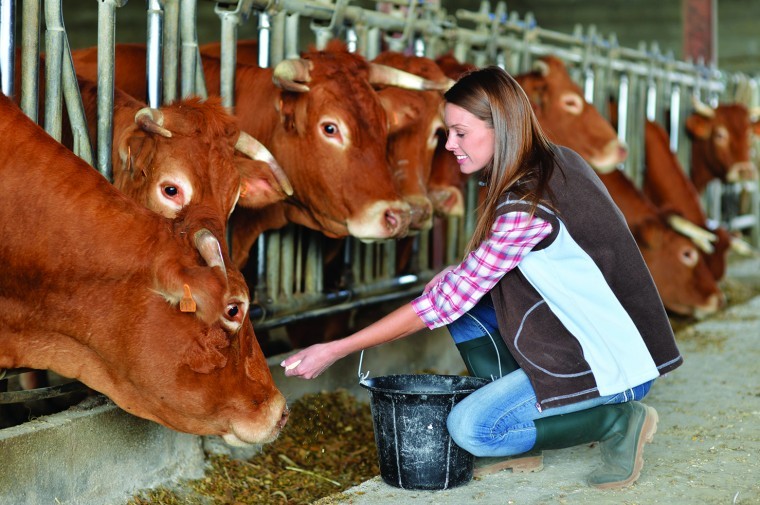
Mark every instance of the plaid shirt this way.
pixel 512 236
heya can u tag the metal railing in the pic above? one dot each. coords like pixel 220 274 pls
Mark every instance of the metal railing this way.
pixel 288 284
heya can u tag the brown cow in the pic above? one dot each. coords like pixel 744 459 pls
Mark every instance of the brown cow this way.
pixel 567 118
pixel 670 189
pixel 90 284
pixel 416 123
pixel 683 280
pixel 720 143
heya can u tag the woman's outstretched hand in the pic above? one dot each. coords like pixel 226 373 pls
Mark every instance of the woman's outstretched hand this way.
pixel 310 362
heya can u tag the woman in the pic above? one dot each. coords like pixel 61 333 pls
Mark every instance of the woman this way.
pixel 559 307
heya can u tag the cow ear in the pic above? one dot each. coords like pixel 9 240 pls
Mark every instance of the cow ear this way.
pixel 699 126
pixel 286 108
pixel 258 185
pixel 756 127
pixel 136 151
pixel 535 92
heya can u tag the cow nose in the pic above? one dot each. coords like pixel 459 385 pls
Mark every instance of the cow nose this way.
pixel 397 220
pixel 284 417
pixel 711 306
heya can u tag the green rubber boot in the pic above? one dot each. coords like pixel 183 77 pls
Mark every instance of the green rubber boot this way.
pixel 487 357
pixel 621 430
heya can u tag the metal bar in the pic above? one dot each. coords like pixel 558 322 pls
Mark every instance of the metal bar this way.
pixel 41 393
pixel 153 71
pixel 171 49
pixel 53 62
pixel 8 46
pixel 106 51
pixel 75 108
pixel 189 46
pixel 230 21
pixel 30 58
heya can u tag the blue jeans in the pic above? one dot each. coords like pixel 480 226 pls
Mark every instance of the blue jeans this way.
pixel 497 419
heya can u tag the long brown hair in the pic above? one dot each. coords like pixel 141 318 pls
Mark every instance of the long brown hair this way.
pixel 522 153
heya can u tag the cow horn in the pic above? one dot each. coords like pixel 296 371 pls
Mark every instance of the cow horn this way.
pixel 702 108
pixel 256 151
pixel 210 250
pixel 739 246
pixel 291 75
pixel 541 67
pixel 754 113
pixel 389 76
pixel 152 121
pixel 701 237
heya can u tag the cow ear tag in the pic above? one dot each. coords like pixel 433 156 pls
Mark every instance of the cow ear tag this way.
pixel 187 304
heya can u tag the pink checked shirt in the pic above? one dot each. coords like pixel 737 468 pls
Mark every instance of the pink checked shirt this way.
pixel 512 236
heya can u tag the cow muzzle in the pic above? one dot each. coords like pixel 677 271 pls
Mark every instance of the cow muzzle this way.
pixel 742 171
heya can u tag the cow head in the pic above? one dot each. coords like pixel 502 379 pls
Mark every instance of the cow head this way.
pixel 199 371
pixel 721 140
pixel 193 153
pixel 415 120
pixel 331 138
pixel 567 118
pixel 684 281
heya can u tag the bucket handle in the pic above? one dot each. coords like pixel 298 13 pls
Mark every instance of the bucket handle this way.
pixel 362 376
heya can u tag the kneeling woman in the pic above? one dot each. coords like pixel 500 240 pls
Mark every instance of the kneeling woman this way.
pixel 552 300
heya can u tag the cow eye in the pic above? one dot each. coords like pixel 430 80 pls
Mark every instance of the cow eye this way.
pixel 171 191
pixel 721 135
pixel 331 129
pixel 233 316
pixel 689 257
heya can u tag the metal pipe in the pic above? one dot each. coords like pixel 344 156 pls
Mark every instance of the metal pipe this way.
pixel 171 49
pixel 30 58
pixel 106 50
pixel 189 46
pixel 74 107
pixel 54 34
pixel 265 39
pixel 230 21
pixel 8 46
pixel 153 63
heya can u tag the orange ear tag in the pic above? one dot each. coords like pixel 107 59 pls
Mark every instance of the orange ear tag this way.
pixel 187 304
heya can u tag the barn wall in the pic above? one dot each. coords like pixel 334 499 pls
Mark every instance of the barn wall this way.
pixel 648 21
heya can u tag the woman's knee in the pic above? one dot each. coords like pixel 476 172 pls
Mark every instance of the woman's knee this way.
pixel 468 432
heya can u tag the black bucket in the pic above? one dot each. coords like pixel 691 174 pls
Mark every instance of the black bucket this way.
pixel 413 444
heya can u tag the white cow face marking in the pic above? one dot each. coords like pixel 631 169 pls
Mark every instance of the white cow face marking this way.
pixel 572 103
pixel 171 194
